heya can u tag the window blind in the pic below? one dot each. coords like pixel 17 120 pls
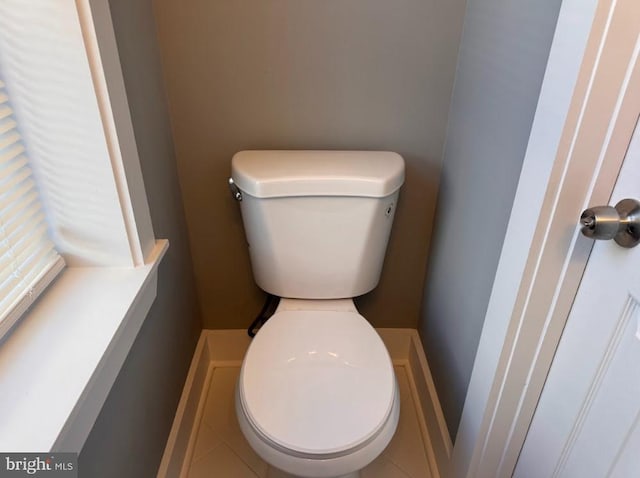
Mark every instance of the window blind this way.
pixel 28 259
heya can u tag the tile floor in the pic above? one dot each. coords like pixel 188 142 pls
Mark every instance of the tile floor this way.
pixel 222 452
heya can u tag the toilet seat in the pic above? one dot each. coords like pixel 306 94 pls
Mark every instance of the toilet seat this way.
pixel 317 383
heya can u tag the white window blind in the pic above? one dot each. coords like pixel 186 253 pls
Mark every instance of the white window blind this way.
pixel 28 259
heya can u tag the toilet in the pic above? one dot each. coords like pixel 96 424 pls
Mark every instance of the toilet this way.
pixel 317 396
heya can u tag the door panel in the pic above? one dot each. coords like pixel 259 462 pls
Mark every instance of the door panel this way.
pixel 587 423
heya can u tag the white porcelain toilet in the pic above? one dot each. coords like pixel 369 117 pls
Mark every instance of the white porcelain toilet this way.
pixel 317 395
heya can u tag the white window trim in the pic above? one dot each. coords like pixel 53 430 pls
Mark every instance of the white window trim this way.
pixel 59 363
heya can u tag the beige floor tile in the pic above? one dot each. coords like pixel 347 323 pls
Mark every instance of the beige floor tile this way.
pixel 219 410
pixel 221 462
pixel 382 468
pixel 220 416
pixel 206 441
pixel 406 450
pixel 275 473
pixel 222 451
pixel 238 443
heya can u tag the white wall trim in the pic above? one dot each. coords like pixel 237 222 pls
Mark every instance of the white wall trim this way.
pixel 531 301
pixel 88 406
pixel 58 365
pixel 104 62
pixel 435 427
pixel 188 413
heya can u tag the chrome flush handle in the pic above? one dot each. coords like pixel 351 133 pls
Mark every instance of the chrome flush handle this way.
pixel 235 191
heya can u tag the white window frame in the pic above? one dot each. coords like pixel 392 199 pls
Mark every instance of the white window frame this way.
pixel 59 363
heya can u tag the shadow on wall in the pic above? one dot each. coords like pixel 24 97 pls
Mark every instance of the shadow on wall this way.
pixel 502 61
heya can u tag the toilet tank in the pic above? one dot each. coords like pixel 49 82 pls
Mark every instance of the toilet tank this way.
pixel 317 222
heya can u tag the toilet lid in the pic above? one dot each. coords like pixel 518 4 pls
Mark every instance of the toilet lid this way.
pixel 317 382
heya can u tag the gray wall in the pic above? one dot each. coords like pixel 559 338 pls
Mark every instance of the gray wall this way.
pixel 306 74
pixel 503 54
pixel 129 436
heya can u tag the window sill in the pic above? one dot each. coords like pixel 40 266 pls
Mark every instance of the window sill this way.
pixel 59 363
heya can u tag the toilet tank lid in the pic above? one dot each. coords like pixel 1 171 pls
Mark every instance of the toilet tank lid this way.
pixel 317 173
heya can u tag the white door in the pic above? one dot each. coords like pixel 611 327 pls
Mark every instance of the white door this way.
pixel 587 423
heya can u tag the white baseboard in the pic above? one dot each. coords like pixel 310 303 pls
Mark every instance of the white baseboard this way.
pixel 405 348
pixel 227 348
pixel 188 411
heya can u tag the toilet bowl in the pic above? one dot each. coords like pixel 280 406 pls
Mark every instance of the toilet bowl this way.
pixel 317 395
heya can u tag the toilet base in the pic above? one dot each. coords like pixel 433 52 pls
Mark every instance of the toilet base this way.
pixel 282 474
pixel 320 468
